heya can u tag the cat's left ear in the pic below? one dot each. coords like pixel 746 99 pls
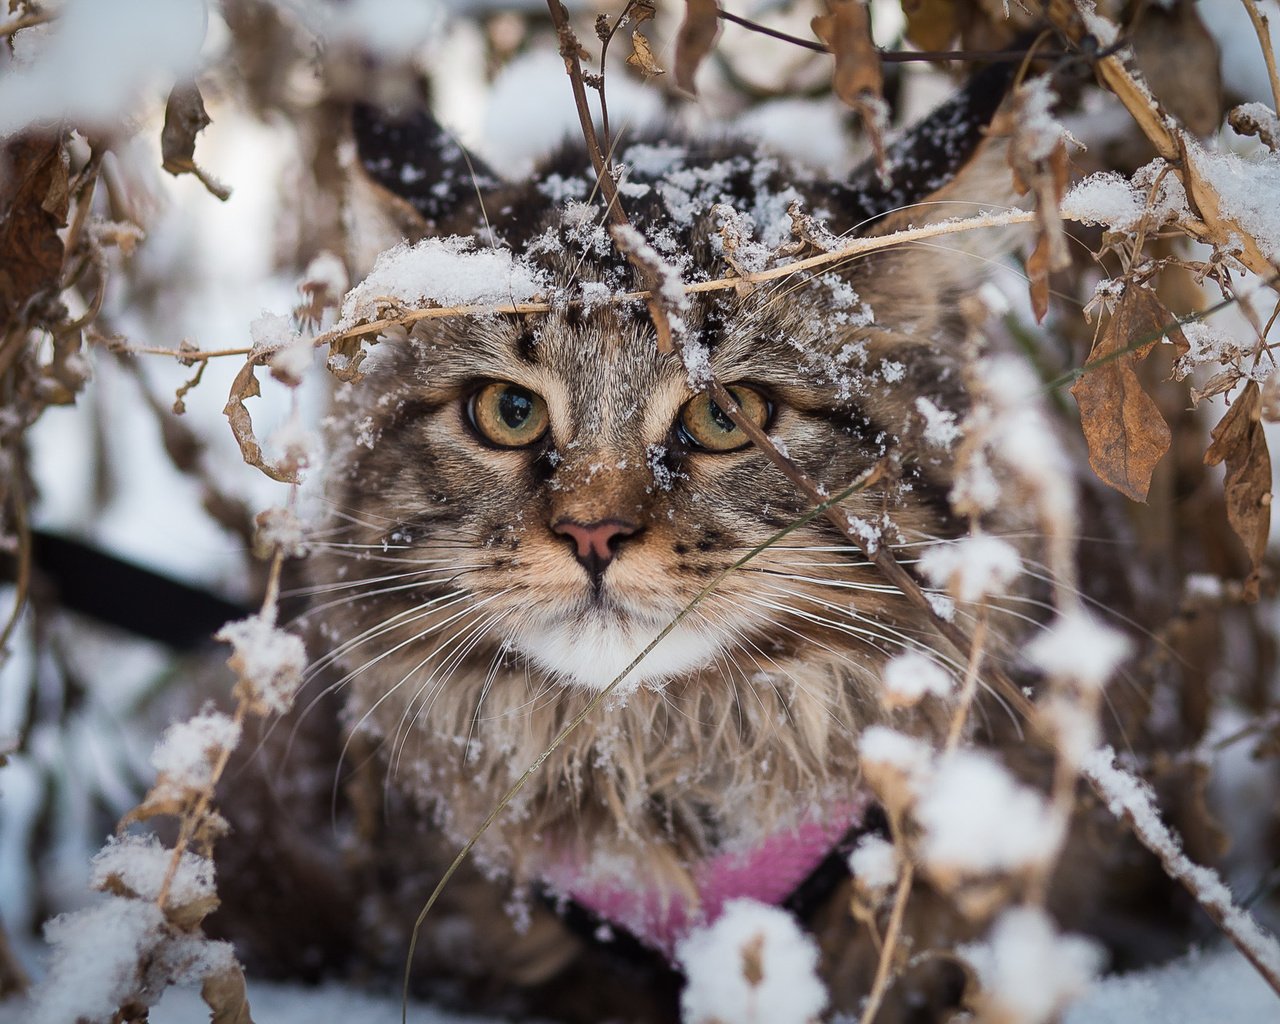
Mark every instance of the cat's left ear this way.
pixel 412 179
pixel 944 160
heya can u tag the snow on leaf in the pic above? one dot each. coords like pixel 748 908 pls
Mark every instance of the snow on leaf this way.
pixel 874 864
pixel 971 568
pixel 753 966
pixel 268 661
pixel 1126 434
pixel 136 866
pixel 1240 440
pixel 185 755
pixel 977 820
pixel 909 677
pixel 1078 647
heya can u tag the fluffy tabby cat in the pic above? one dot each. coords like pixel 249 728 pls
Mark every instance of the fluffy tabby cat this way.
pixel 521 503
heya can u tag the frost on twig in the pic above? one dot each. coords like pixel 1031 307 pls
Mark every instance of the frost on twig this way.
pixel 1132 799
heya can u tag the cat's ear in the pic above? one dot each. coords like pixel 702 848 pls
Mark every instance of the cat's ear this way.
pixel 944 157
pixel 411 178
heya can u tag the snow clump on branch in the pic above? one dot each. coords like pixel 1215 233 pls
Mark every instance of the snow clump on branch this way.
pixel 753 966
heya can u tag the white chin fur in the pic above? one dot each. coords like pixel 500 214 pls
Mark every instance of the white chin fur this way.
pixel 593 651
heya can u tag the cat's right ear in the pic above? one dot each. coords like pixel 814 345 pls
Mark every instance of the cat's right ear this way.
pixel 411 180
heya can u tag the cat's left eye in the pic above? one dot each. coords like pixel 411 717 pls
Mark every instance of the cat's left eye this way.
pixel 508 415
pixel 705 425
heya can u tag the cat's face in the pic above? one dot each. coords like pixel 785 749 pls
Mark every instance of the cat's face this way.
pixel 524 505
pixel 586 493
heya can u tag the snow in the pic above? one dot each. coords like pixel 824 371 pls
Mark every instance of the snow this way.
pixel 116 49
pixel 753 966
pixel 1078 647
pixel 1030 973
pixel 978 820
pixel 1201 988
pixel 1248 188
pixel 909 677
pixel 266 658
pixel 140 863
pixel 185 755
pixel 940 426
pixel 973 568
pixel 1120 203
pixel 874 864
pixel 443 272
pixel 96 956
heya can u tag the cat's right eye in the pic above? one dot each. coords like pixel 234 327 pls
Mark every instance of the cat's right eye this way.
pixel 508 415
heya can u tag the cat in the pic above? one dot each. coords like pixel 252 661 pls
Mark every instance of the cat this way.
pixel 521 503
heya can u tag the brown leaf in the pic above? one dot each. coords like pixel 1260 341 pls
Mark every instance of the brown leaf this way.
pixel 226 996
pixel 931 24
pixel 184 119
pixel 857 78
pixel 1038 273
pixel 642 57
pixel 642 11
pixel 697 34
pixel 1122 425
pixel 1240 440
pixel 246 386
pixel 33 206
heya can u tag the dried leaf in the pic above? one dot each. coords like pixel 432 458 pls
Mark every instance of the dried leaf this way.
pixel 1040 165
pixel 33 201
pixel 184 119
pixel 857 78
pixel 1240 440
pixel 931 24
pixel 697 34
pixel 1038 274
pixel 642 11
pixel 642 57
pixel 226 996
pixel 1250 120
pixel 243 387
pixel 1123 427
pixel 1218 384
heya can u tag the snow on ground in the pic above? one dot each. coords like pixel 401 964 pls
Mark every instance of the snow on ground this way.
pixel 1217 987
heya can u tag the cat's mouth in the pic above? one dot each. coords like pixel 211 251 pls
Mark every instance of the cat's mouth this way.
pixel 602 642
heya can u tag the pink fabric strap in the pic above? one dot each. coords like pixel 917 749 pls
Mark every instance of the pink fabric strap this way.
pixel 769 873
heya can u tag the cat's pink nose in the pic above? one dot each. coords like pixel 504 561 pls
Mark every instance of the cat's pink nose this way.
pixel 595 544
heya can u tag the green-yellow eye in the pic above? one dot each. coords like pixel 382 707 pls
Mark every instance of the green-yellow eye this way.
pixel 706 425
pixel 508 415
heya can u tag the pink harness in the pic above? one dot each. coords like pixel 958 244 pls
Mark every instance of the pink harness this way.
pixel 769 873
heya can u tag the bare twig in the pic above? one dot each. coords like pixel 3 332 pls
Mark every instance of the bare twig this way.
pixel 892 932
pixel 1263 30
pixel 886 56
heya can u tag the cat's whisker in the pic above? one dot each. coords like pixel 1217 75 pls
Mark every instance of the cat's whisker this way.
pixel 329 588
pixel 466 640
pixel 358 726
